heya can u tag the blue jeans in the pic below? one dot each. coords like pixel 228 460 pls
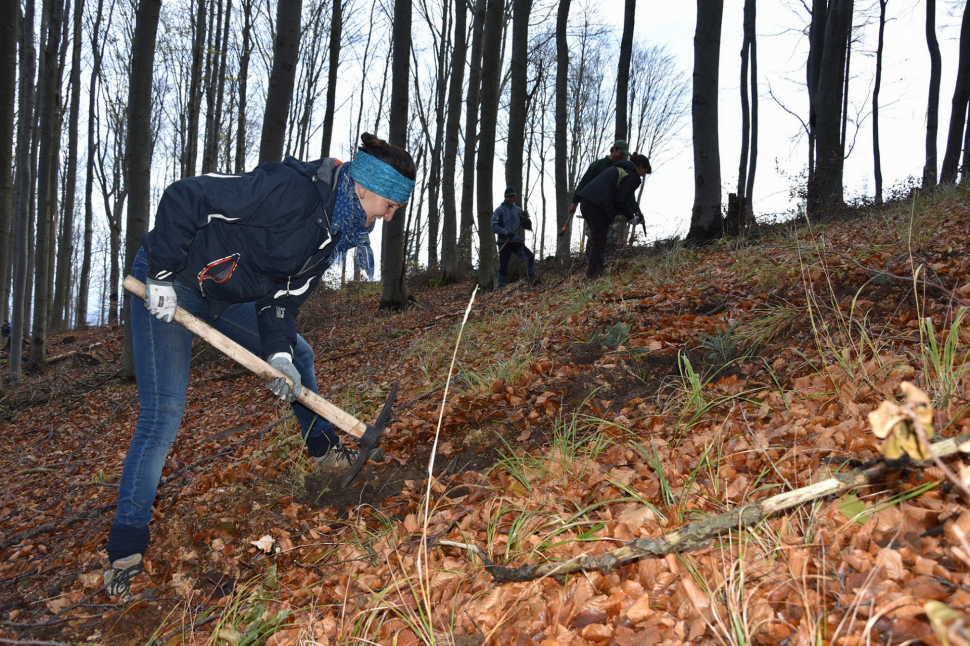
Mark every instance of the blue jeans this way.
pixel 506 252
pixel 162 352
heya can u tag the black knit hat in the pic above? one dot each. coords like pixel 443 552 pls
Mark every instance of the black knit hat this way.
pixel 510 191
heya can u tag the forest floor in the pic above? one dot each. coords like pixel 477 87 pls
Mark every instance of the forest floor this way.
pixel 580 416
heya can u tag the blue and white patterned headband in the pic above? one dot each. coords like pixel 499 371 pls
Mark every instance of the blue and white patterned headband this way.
pixel 378 177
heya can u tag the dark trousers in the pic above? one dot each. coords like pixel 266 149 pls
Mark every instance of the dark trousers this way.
pixel 505 254
pixel 598 222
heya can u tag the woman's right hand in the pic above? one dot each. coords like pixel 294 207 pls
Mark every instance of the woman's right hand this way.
pixel 280 386
pixel 160 299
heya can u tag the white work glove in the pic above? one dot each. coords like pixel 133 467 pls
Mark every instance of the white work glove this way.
pixel 160 299
pixel 280 387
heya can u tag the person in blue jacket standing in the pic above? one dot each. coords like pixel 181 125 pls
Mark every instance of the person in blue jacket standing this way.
pixel 243 253
pixel 505 225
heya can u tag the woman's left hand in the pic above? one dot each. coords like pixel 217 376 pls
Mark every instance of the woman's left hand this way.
pixel 280 386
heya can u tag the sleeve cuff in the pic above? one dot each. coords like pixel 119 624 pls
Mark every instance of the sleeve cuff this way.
pixel 288 356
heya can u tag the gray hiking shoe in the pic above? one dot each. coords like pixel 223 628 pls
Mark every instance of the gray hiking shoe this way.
pixel 117 580
pixel 341 458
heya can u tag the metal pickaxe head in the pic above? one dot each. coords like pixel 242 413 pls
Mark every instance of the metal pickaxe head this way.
pixel 370 438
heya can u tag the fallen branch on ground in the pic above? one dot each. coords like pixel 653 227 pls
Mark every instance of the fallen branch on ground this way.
pixel 698 534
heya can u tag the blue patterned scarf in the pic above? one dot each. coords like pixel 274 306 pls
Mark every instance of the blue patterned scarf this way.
pixel 350 220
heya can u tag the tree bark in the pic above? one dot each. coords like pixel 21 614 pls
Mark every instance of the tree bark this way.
pixel 222 53
pixel 491 47
pixel 876 160
pixel 471 138
pixel 211 67
pixel 827 192
pixel 138 149
pixel 242 122
pixel 933 102
pixel 958 113
pixel 81 317
pixel 734 223
pixel 449 238
pixel 812 71
pixel 336 27
pixel 285 52
pixel 9 17
pixel 394 291
pixel 190 152
pixel 46 185
pixel 518 96
pixel 23 180
pixel 563 221
pixel 623 71
pixel 65 246
pixel 706 221
pixel 434 179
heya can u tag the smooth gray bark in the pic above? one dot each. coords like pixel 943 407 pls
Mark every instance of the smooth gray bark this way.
pixel 706 221
pixel 449 238
pixel 336 28
pixel 826 192
pixel 190 152
pixel 9 16
pixel 471 137
pixel 876 159
pixel 394 290
pixel 933 101
pixel 563 221
pixel 491 46
pixel 623 69
pixel 286 48
pixel 138 149
pixel 518 96
pixel 958 112
pixel 242 121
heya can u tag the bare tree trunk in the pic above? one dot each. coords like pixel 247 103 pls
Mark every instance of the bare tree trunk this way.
pixel 876 160
pixel 65 246
pixel 706 221
pixel 734 222
pixel 518 96
pixel 813 69
pixel 933 102
pixel 434 180
pixel 24 181
pixel 394 292
pixel 242 122
pixel 829 156
pixel 336 27
pixel 363 76
pixel 81 317
pixel 491 46
pixel 623 71
pixel 471 138
pixel 563 221
pixel 449 238
pixel 190 152
pixel 9 17
pixel 285 52
pixel 212 153
pixel 48 134
pixel 958 113
pixel 138 150
pixel 753 164
pixel 211 67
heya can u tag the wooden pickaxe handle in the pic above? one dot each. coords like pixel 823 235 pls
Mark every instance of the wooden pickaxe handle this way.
pixel 339 418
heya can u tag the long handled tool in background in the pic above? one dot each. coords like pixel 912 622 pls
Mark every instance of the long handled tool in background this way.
pixel 368 434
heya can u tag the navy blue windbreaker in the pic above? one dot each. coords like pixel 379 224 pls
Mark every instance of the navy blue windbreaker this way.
pixel 505 222
pixel 261 237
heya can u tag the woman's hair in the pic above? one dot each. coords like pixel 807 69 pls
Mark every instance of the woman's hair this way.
pixel 641 160
pixel 397 158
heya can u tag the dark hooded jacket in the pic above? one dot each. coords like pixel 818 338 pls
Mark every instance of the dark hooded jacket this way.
pixel 505 223
pixel 614 189
pixel 264 236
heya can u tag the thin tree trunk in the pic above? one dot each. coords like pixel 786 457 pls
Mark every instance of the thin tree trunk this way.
pixel 65 247
pixel 471 138
pixel 933 102
pixel 211 67
pixel 518 96
pixel 958 113
pixel 563 221
pixel 813 70
pixel 394 292
pixel 81 317
pixel 449 238
pixel 753 164
pixel 48 135
pixel 138 149
pixel 9 17
pixel 706 221
pixel 223 53
pixel 491 46
pixel 876 161
pixel 190 152
pixel 829 155
pixel 623 70
pixel 363 76
pixel 734 224
pixel 242 121
pixel 336 27
pixel 285 53
pixel 434 180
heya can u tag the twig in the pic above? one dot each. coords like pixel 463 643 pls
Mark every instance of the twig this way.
pixel 700 533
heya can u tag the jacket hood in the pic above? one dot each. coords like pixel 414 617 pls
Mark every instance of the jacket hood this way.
pixel 626 165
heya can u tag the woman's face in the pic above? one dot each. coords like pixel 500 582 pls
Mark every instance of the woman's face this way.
pixel 375 206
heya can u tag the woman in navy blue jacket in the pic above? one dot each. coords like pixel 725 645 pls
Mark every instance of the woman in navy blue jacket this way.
pixel 242 252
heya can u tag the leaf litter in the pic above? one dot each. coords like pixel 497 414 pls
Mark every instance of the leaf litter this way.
pixel 753 372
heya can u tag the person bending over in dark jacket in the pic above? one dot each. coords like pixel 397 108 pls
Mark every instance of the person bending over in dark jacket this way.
pixel 242 252
pixel 505 224
pixel 618 152
pixel 612 193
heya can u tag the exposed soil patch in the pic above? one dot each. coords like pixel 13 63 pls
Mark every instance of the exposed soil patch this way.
pixel 587 353
pixel 137 624
pixel 617 384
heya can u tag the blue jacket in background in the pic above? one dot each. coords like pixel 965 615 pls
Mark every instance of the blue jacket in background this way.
pixel 263 236
pixel 505 223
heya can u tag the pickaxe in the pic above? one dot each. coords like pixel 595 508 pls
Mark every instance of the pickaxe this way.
pixel 369 435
